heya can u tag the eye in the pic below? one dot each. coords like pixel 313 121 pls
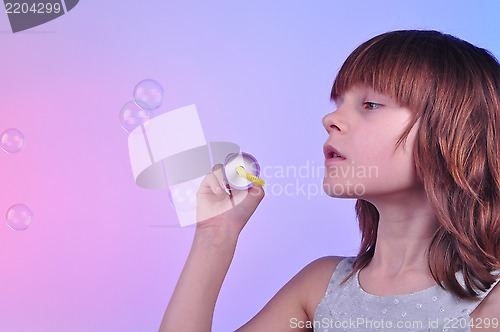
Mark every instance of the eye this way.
pixel 368 105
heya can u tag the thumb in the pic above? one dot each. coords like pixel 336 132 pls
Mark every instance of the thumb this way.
pixel 257 192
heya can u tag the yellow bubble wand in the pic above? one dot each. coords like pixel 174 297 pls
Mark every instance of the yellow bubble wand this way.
pixel 250 177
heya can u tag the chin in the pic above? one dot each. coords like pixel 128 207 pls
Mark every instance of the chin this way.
pixel 344 189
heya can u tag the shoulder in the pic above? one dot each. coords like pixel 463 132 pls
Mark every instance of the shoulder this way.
pixel 320 266
pixel 297 299
pixel 304 291
pixel 314 279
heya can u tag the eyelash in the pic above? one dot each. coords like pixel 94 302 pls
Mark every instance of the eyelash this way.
pixel 371 105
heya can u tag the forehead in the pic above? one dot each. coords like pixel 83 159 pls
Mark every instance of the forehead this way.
pixel 388 67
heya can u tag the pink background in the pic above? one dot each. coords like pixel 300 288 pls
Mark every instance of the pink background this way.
pixel 98 256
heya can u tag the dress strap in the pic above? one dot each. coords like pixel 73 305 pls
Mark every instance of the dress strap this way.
pixel 344 267
pixel 485 293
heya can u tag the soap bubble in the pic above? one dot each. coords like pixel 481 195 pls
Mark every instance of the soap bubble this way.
pixel 148 94
pixel 132 116
pixel 19 217
pixel 183 196
pixel 12 140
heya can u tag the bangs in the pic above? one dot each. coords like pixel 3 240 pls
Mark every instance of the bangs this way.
pixel 392 64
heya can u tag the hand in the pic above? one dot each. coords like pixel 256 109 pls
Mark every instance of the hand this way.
pixel 224 213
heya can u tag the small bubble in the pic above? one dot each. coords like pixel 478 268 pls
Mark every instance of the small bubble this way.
pixel 441 309
pixel 19 217
pixel 384 311
pixel 434 298
pixel 396 301
pixel 12 140
pixel 419 305
pixel 132 116
pixel 148 94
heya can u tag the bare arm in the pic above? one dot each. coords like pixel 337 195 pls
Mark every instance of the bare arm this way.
pixel 221 217
pixel 295 304
pixel 192 304
pixel 191 308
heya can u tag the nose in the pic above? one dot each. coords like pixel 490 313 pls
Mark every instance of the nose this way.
pixel 331 122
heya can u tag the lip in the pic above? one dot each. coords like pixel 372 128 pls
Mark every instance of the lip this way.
pixel 329 150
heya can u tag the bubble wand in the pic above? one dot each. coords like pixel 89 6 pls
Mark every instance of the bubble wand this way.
pixel 241 171
pixel 255 180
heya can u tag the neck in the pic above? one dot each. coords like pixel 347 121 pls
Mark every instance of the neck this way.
pixel 405 230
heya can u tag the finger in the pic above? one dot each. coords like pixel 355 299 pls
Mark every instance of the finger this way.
pixel 208 183
pixel 217 170
pixel 216 167
pixel 215 184
pixel 257 192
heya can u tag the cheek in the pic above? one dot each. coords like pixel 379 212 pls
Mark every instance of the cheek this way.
pixel 373 150
pixel 375 164
pixel 398 172
pixel 397 167
pixel 391 165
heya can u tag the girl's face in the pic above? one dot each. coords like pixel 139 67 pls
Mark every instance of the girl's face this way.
pixel 364 130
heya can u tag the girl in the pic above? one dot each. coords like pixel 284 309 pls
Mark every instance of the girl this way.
pixel 423 108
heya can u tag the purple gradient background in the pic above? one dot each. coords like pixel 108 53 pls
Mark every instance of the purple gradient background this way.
pixel 96 257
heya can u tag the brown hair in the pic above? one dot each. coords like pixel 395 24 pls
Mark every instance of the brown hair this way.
pixel 452 88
